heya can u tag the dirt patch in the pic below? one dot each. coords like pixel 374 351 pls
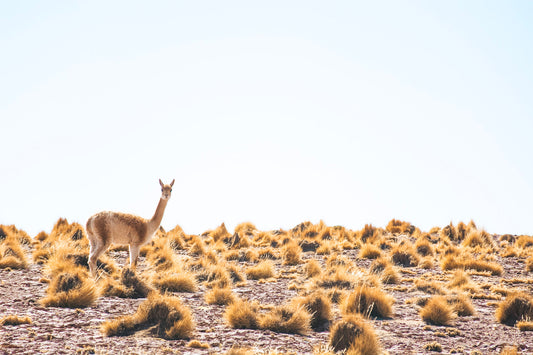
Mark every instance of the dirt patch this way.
pixel 68 331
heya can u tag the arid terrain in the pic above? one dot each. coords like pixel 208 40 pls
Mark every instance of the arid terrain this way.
pixel 399 261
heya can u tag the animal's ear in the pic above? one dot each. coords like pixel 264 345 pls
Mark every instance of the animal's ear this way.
pixel 172 183
pixel 161 183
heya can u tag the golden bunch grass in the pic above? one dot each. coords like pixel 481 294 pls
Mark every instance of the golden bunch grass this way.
pixel 15 320
pixel 509 350
pixel 524 241
pixel 162 256
pixel 525 326
pixel 239 351
pixel 460 278
pixel 69 232
pixel 12 255
pixel 462 305
pixel 369 302
pixel 390 275
pixel 18 234
pixel 369 251
pixel 242 314
pixel 368 234
pixel 437 311
pixel 426 263
pixel 448 233
pixel 291 254
pixel 337 278
pixel 235 273
pixel 215 276
pixel 71 289
pixel 197 246
pixel 263 270
pixel 175 281
pixel 268 253
pixel 461 230
pixel 287 319
pixel 127 285
pixel 516 307
pixel 404 255
pixel 196 344
pixel 433 346
pixel 452 262
pixel 355 336
pixel 431 287
pixel 312 268
pixel 478 238
pixel 219 233
pixel 246 228
pixel 318 305
pixel 529 264
pixel 378 265
pixel 165 316
pixel 176 238
pixel 396 227
pixel 424 248
pixel 220 296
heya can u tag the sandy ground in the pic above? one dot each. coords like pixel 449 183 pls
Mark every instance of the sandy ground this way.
pixel 70 331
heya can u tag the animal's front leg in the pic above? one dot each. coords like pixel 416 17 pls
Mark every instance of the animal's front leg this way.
pixel 134 255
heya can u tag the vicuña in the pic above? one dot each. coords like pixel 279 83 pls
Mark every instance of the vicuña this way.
pixel 105 228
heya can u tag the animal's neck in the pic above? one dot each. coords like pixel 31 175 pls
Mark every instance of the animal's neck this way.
pixel 155 222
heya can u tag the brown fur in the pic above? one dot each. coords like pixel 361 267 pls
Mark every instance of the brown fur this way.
pixel 105 228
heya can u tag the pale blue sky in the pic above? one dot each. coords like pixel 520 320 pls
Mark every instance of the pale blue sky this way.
pixel 271 112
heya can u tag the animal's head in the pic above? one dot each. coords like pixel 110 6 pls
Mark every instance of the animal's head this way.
pixel 166 189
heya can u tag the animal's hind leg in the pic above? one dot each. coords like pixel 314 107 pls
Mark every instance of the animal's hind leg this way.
pixel 96 250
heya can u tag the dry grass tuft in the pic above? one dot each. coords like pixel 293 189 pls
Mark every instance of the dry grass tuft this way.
pixel 340 278
pixel 11 253
pixel 129 285
pixel 424 248
pixel 15 320
pixel 451 262
pixel 369 251
pixel 431 287
pixel 396 227
pixel 292 254
pixel 525 326
pixel 509 350
pixel 71 289
pixel 529 264
pixel 516 307
pixel 287 319
pixel 352 333
pixel 263 270
pixel 160 315
pixel 390 275
pixel 175 282
pixel 312 268
pixel 240 351
pixel 478 238
pixel 242 315
pixel 220 296
pixel 368 301
pixel 524 241
pixel 319 307
pixel 433 346
pixel 437 311
pixel 196 344
pixel 462 305
pixel 404 255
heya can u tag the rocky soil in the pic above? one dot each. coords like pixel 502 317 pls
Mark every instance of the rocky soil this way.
pixel 71 331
